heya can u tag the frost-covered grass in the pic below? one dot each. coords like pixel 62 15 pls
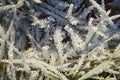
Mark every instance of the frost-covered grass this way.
pixel 58 40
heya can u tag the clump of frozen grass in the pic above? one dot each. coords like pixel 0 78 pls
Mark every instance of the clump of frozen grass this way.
pixel 40 40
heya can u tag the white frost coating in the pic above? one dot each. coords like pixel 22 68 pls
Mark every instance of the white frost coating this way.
pixel 59 45
pixel 37 1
